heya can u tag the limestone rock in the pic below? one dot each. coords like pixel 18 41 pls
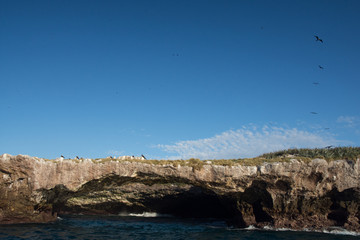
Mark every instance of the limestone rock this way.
pixel 290 194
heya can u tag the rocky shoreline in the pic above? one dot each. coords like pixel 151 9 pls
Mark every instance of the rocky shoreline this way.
pixel 294 194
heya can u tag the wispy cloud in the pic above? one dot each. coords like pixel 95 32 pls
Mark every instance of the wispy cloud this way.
pixel 349 121
pixel 247 142
pixel 115 153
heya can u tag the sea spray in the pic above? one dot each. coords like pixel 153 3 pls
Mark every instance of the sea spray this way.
pixel 144 214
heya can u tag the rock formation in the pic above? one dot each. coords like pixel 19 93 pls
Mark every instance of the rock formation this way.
pixel 291 194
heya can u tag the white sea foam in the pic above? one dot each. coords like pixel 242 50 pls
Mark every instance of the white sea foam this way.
pixel 144 214
pixel 270 228
pixel 340 231
pixel 331 230
pixel 251 227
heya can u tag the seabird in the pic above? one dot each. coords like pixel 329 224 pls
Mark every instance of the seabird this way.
pixel 62 156
pixel 77 157
pixel 321 67
pixel 328 147
pixel 326 128
pixel 143 156
pixel 315 83
pixel 313 112
pixel 318 39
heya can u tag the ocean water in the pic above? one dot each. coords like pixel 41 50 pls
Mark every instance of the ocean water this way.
pixel 151 226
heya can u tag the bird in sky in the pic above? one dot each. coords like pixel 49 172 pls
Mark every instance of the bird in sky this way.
pixel 313 112
pixel 318 39
pixel 326 128
pixel 315 83
pixel 321 67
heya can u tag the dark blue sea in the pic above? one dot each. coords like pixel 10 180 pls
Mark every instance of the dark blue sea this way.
pixel 150 227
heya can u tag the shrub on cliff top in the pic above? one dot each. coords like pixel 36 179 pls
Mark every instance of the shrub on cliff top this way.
pixel 336 153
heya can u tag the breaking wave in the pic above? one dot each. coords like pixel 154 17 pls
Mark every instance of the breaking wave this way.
pixel 340 231
pixel 144 214
pixel 331 230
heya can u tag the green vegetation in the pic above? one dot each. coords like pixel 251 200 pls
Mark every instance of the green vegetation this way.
pixel 192 162
pixel 303 154
pixel 350 153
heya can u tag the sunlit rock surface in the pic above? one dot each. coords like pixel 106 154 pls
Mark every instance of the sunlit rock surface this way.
pixel 292 194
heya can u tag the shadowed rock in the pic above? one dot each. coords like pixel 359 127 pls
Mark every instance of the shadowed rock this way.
pixel 290 194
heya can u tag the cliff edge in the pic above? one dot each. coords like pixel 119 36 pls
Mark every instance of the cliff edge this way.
pixel 292 194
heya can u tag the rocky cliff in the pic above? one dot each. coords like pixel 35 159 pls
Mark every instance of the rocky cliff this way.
pixel 290 194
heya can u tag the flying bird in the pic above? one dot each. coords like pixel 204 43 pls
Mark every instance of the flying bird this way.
pixel 318 39
pixel 62 156
pixel 326 128
pixel 315 83
pixel 321 67
pixel 313 112
pixel 328 147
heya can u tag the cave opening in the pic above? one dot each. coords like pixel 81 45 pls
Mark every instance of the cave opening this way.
pixel 260 200
pixel 340 216
pixel 260 214
pixel 195 203
pixel 340 202
pixel 113 195
pixel 192 202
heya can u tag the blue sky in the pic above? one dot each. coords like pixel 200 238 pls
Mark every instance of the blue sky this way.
pixel 177 79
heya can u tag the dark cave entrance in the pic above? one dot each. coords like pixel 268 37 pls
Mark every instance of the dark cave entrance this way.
pixel 340 216
pixel 260 199
pixel 186 201
pixel 340 201
pixel 195 203
pixel 260 214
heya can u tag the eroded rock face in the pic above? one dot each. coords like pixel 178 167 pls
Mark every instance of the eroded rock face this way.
pixel 293 195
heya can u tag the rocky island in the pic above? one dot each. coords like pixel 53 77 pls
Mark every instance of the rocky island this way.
pixel 288 193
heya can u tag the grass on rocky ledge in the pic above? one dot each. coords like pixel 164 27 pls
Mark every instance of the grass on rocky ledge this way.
pixel 303 154
pixel 337 153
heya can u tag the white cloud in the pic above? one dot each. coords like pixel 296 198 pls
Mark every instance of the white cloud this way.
pixel 247 142
pixel 350 121
pixel 115 153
